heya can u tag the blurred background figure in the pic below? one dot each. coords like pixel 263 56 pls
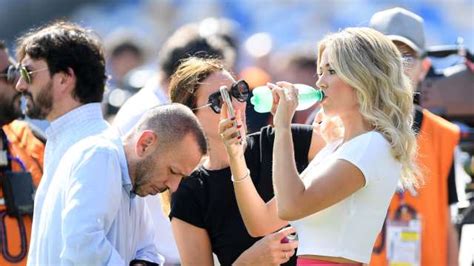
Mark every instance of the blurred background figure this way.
pixel 297 64
pixel 257 49
pixel 226 29
pixel 125 51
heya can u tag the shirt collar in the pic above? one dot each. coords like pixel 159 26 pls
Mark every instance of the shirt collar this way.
pixel 76 118
pixel 126 179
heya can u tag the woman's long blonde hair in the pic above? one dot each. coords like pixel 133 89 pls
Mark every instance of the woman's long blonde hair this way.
pixel 370 63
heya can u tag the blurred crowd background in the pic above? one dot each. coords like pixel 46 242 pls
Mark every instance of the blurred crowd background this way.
pixel 287 21
pixel 263 31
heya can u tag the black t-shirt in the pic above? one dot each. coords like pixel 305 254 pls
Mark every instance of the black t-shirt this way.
pixel 206 199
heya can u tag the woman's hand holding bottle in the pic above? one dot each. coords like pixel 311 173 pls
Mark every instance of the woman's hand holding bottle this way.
pixel 285 102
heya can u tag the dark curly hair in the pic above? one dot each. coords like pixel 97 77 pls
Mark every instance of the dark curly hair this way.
pixel 64 46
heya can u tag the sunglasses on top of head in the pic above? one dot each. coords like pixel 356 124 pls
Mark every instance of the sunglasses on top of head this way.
pixel 10 74
pixel 239 90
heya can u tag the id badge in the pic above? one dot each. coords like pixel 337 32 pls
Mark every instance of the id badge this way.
pixel 404 242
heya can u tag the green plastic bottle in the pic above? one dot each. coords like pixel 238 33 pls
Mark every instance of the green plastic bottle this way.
pixel 307 96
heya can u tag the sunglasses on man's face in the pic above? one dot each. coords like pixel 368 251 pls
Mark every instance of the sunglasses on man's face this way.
pixel 25 74
pixel 239 90
pixel 10 74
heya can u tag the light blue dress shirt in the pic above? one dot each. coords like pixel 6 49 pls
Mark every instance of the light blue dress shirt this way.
pixel 84 212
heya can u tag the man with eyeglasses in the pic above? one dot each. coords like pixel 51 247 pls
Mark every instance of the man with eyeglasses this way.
pixel 84 211
pixel 21 166
pixel 424 214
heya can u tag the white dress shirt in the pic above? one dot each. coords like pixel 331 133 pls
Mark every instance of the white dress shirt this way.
pixel 129 114
pixel 149 96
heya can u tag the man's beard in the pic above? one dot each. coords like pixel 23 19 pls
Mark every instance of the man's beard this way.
pixel 40 107
pixel 10 110
pixel 142 174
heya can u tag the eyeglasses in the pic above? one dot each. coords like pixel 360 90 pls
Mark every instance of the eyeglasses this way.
pixel 26 75
pixel 239 90
pixel 10 74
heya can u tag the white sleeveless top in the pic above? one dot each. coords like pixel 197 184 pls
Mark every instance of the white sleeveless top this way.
pixel 349 228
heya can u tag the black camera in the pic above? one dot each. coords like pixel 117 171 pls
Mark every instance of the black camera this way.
pixel 448 90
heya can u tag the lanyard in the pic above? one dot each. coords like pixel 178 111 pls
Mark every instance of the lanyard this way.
pixel 7 255
pixel 18 160
pixel 403 207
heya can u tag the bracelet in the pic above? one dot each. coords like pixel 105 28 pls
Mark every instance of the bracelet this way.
pixel 240 179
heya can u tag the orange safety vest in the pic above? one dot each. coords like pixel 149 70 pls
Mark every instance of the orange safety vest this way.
pixel 25 146
pixel 437 140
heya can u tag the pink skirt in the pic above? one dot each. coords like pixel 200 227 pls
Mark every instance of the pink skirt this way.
pixel 314 262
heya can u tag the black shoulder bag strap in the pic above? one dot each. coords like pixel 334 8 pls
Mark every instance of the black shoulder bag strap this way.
pixel 21 225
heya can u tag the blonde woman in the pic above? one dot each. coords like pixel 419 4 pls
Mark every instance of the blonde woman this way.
pixel 338 204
